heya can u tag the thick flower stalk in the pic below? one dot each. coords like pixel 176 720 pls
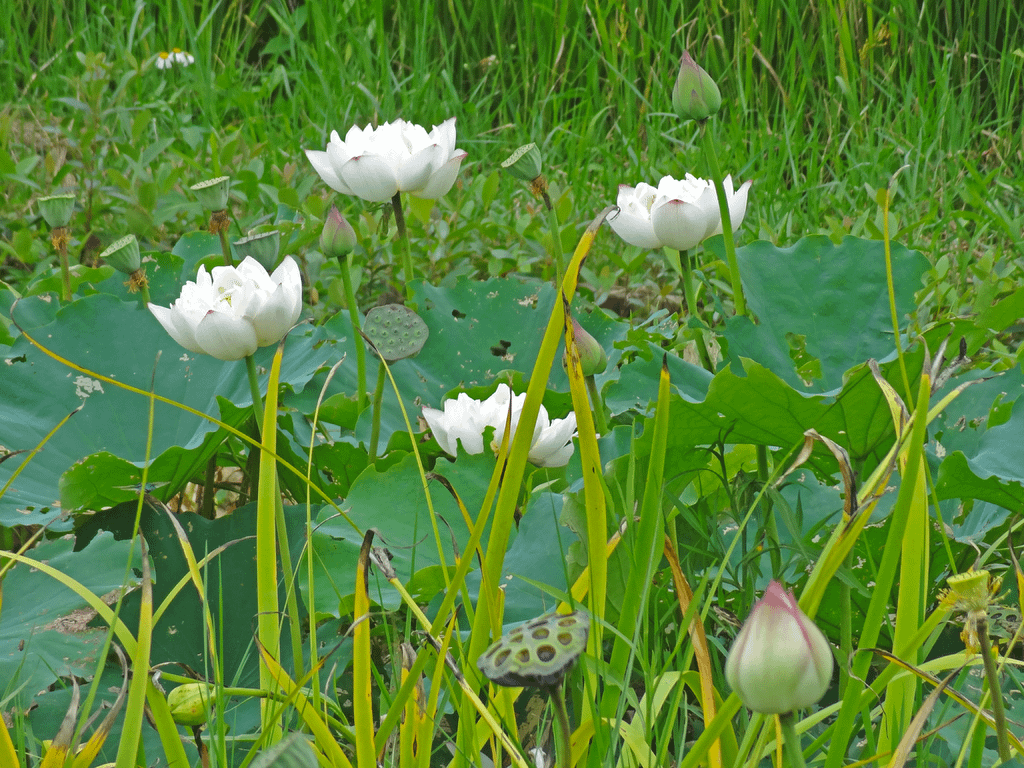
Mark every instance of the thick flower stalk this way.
pixel 465 419
pixel 232 312
pixel 678 213
pixel 377 163
pixel 780 660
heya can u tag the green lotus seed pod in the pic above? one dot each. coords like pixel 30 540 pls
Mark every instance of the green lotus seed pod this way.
pixel 539 652
pixel 190 703
pixel 396 331
pixel 213 193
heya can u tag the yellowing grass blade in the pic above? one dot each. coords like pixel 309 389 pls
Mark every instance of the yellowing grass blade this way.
pixel 362 698
pixel 593 492
pixel 321 732
pixel 906 745
pixel 701 652
pixel 92 747
pixel 61 744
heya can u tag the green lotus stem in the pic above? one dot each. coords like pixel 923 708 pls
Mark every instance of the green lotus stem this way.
pixel 254 389
pixel 353 313
pixel 723 205
pixel 771 527
pixel 690 294
pixel 562 731
pixel 403 238
pixel 597 406
pixel 65 268
pixel 994 689
pixel 378 398
pixel 556 237
pixel 792 741
pixel 225 248
pixel 207 509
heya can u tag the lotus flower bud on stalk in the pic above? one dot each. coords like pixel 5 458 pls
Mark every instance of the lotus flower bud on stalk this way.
pixel 695 95
pixel 190 703
pixel 593 358
pixel 337 239
pixel 780 661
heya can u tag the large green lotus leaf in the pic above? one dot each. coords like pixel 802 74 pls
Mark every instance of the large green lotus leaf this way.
pixel 51 707
pixel 41 637
pixel 393 503
pixel 987 403
pixel 758 407
pixel 165 273
pixel 230 582
pixel 821 308
pixel 102 480
pixel 120 340
pixel 478 329
pixel 994 472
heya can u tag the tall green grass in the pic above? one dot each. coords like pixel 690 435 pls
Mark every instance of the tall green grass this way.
pixel 822 100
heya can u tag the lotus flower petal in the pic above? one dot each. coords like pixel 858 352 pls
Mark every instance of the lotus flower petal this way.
pixel 234 310
pixel 375 163
pixel 465 420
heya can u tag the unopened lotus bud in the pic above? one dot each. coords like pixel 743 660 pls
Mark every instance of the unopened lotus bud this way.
pixel 337 239
pixel 123 255
pixel 593 358
pixel 780 661
pixel 190 703
pixel 212 194
pixel 696 95
pixel 57 209
pixel 265 247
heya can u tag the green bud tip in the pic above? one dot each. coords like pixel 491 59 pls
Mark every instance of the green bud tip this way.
pixel 593 358
pixel 696 95
pixel 337 239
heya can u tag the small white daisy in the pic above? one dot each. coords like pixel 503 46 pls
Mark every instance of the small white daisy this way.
pixel 183 57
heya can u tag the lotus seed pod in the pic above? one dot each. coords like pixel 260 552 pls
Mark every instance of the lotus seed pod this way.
pixel 190 703
pixel 396 331
pixel 537 653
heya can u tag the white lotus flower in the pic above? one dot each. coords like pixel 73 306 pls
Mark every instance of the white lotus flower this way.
pixel 679 214
pixel 230 313
pixel 376 163
pixel 465 419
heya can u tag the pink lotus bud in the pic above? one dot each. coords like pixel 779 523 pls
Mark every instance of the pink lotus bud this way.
pixel 780 660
